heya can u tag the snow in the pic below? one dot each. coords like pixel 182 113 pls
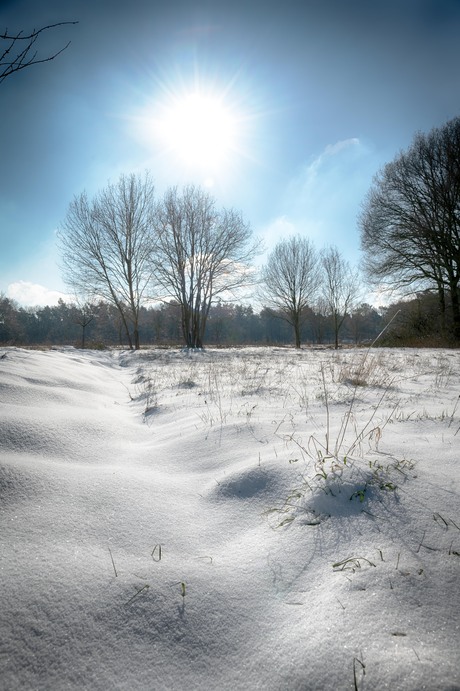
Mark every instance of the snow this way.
pixel 229 519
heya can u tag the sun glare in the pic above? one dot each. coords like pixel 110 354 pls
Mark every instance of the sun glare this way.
pixel 199 129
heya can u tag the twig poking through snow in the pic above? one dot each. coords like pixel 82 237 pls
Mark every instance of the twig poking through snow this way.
pixel 138 593
pixel 355 672
pixel 113 563
pixel 158 557
pixel 453 413
pixel 421 541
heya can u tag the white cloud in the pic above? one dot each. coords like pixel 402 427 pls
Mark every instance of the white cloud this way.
pixel 332 149
pixel 322 174
pixel 29 294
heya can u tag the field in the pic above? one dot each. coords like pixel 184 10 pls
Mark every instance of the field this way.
pixel 230 519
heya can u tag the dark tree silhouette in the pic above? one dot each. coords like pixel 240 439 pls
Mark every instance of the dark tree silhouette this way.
pixel 83 316
pixel 410 224
pixel 18 51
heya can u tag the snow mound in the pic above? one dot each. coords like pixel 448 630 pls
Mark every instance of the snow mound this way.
pixel 251 483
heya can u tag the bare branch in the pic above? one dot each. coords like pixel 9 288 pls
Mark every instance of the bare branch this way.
pixel 410 224
pixel 201 253
pixel 106 246
pixel 11 61
pixel 290 280
pixel 341 287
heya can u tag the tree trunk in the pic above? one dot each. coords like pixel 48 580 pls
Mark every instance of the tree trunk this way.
pixel 454 296
pixel 442 306
pixel 128 335
pixel 336 331
pixel 295 321
pixel 186 326
pixel 297 334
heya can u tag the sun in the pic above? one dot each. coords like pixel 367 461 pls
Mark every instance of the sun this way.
pixel 199 129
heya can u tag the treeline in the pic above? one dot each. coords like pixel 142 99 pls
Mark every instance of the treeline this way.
pixel 413 322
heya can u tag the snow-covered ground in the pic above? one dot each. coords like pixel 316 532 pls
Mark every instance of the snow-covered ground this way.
pixel 230 519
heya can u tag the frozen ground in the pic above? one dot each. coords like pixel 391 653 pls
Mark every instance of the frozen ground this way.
pixel 230 519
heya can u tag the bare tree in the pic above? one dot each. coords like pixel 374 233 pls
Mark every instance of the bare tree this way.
pixel 341 287
pixel 18 50
pixel 410 224
pixel 106 246
pixel 201 253
pixel 83 315
pixel 290 280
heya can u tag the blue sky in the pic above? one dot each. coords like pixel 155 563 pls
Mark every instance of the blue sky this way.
pixel 322 93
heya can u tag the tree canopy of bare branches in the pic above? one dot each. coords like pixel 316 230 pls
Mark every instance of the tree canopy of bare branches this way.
pixel 106 247
pixel 18 50
pixel 340 288
pixel 410 223
pixel 290 279
pixel 201 254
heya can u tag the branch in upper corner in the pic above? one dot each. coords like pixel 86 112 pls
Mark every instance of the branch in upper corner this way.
pixel 11 63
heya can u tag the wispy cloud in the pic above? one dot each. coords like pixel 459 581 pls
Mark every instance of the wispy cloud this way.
pixel 322 201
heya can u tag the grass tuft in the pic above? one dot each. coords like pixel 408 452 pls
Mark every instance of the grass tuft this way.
pixel 351 563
